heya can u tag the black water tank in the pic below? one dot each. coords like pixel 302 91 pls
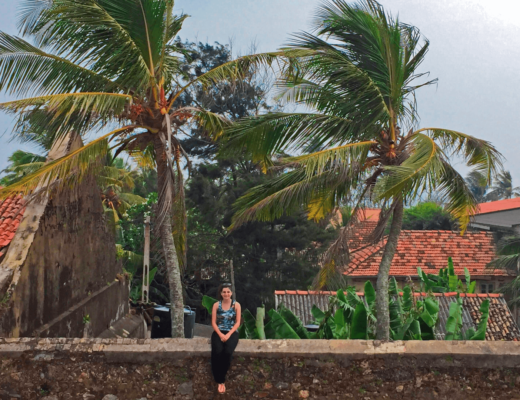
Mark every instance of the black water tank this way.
pixel 161 323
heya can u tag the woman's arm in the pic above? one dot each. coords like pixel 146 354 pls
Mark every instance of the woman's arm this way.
pixel 238 311
pixel 214 322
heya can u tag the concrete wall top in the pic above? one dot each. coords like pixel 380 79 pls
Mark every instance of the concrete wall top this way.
pixel 474 354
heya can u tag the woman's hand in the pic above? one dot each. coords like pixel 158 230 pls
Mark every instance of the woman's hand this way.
pixel 223 337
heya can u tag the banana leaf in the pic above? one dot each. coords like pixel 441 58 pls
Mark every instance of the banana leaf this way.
pixel 269 331
pixel 295 323
pixel 403 329
pixel 453 280
pixel 242 332
pixel 249 324
pixel 407 298
pixel 430 311
pixel 468 278
pixel 454 322
pixel 358 330
pixel 370 297
pixel 281 328
pixel 208 302
pixel 343 303
pixel 480 334
pixel 317 314
pixel 393 288
pixel 340 327
pixel 415 330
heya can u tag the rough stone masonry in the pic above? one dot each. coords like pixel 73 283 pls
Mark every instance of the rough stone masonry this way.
pixel 129 369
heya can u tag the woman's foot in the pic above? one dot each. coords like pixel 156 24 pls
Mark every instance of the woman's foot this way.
pixel 221 388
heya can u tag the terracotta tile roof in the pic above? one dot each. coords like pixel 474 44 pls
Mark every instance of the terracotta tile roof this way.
pixel 428 250
pixel 500 205
pixel 501 325
pixel 11 213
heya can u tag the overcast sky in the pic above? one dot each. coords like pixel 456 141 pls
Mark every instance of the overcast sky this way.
pixel 474 52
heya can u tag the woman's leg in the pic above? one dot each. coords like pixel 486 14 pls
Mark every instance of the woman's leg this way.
pixel 217 355
pixel 227 355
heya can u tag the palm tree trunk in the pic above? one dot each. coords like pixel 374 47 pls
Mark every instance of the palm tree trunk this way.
pixel 383 313
pixel 170 253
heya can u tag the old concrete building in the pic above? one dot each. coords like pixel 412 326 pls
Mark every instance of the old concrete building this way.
pixel 502 217
pixel 59 276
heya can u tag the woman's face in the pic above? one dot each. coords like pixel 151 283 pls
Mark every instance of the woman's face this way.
pixel 226 293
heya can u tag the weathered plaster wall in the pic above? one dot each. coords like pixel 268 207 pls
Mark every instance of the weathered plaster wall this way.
pixel 71 257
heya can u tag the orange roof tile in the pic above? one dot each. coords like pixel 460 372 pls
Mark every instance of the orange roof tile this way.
pixel 500 205
pixel 428 250
pixel 11 212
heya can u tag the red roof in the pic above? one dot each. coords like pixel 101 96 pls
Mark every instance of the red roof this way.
pixel 428 250
pixel 11 213
pixel 500 205
pixel 416 294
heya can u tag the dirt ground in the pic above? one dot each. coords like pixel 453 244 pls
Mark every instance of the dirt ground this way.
pixel 92 378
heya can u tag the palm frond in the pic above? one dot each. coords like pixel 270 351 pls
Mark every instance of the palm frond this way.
pixel 477 153
pixel 168 66
pixel 295 191
pixel 212 124
pixel 144 159
pixel 508 255
pixel 26 69
pixel 456 194
pixel 231 71
pixel 349 154
pixel 66 112
pixel 415 174
pixel 64 172
pixel 387 50
pixel 274 133
pixel 110 36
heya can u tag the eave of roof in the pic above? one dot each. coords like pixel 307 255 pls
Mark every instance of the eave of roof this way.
pixel 499 205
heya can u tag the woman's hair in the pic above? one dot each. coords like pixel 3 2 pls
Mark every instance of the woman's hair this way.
pixel 221 288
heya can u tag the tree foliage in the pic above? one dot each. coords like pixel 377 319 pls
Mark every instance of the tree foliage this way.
pixel 358 75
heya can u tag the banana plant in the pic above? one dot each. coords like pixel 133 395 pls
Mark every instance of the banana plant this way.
pixel 454 326
pixel 446 280
pixel 411 319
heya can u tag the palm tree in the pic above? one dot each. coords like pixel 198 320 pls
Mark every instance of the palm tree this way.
pixel 503 187
pixel 358 77
pixel 21 163
pixel 99 64
pixel 478 185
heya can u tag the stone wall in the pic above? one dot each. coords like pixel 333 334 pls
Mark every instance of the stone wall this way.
pixel 70 259
pixel 161 369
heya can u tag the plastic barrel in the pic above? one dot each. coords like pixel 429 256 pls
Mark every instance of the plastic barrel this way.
pixel 161 323
pixel 189 323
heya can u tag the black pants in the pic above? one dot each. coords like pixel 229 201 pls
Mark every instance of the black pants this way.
pixel 221 355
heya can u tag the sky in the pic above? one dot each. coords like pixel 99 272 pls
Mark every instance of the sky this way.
pixel 474 52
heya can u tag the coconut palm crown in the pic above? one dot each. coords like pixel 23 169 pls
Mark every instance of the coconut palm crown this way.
pixel 109 70
pixel 357 76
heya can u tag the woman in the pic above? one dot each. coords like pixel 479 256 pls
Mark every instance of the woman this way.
pixel 225 319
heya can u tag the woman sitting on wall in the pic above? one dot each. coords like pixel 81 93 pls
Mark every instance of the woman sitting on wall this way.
pixel 225 319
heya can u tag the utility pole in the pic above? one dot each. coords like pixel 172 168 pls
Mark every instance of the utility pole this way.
pixel 146 266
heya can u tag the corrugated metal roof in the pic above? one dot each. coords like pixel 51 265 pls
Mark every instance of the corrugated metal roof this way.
pixel 501 325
